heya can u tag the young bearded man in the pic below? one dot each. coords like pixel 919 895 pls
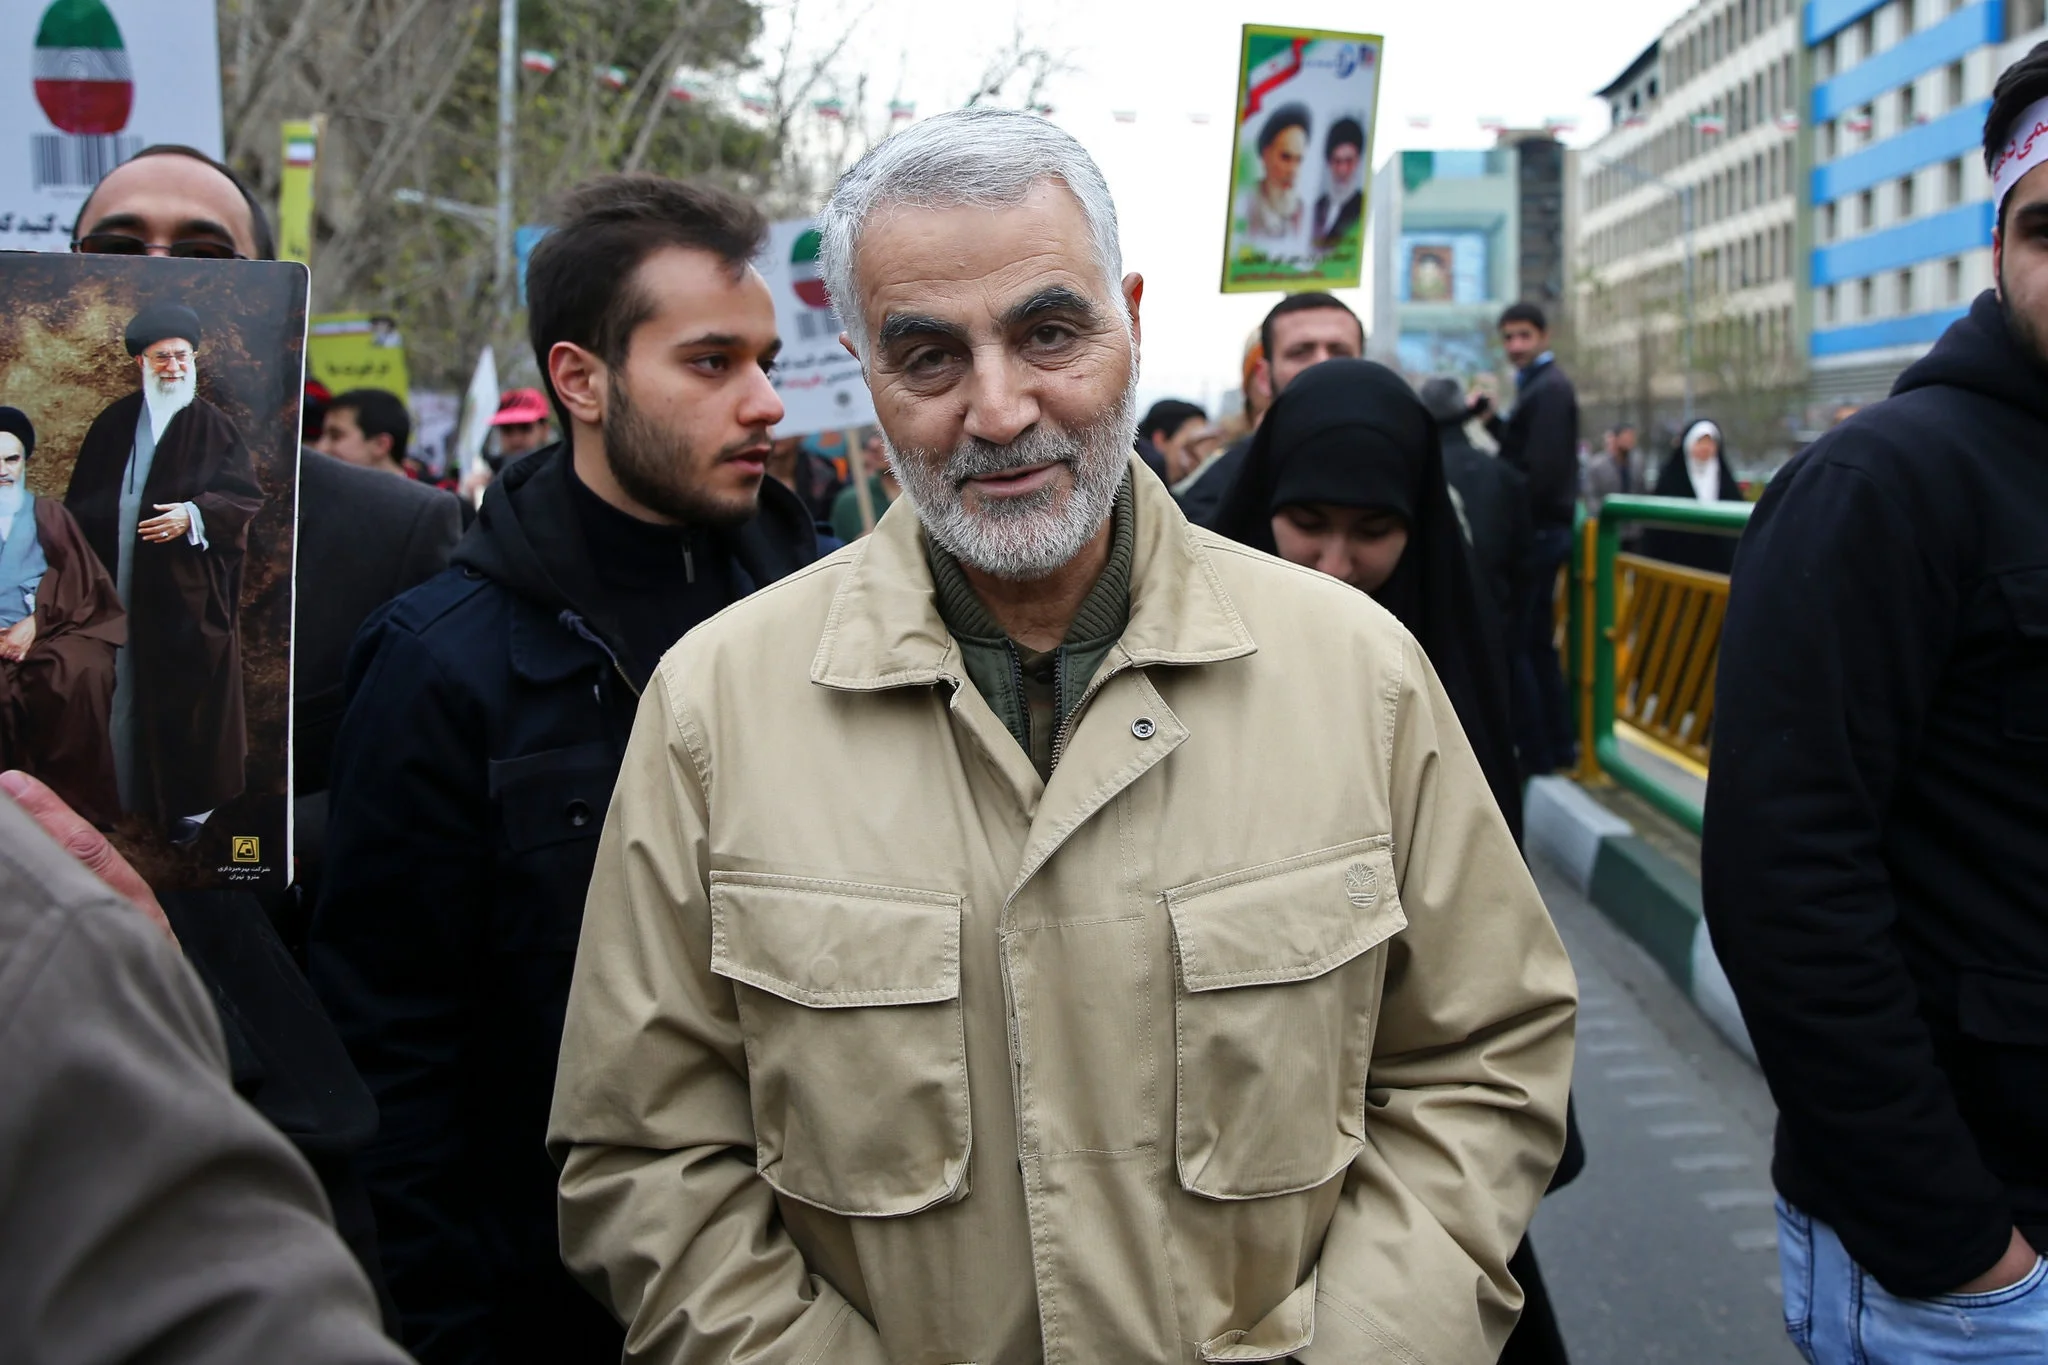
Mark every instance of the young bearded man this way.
pixel 1045 931
pixel 1301 330
pixel 487 716
pixel 1875 866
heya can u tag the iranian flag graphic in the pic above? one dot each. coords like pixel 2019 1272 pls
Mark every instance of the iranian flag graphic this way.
pixel 803 271
pixel 82 78
pixel 1271 69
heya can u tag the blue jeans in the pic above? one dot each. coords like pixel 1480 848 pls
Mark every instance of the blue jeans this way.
pixel 1836 1314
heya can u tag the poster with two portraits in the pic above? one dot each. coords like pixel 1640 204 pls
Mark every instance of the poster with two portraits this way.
pixel 1301 164
pixel 149 447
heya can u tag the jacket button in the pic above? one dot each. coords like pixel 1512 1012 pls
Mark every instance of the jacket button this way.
pixel 1143 727
pixel 579 813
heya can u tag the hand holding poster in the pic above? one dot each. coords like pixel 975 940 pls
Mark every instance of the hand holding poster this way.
pixel 1303 160
pixel 149 443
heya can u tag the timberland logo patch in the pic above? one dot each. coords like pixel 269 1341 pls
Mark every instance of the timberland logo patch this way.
pixel 1362 884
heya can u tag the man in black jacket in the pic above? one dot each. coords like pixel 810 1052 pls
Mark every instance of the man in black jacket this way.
pixel 1876 857
pixel 488 712
pixel 1539 437
pixel 1492 498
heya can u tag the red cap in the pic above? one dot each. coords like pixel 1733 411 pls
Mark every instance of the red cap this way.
pixel 519 407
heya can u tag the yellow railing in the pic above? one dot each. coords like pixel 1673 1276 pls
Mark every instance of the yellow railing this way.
pixel 1644 645
pixel 1667 639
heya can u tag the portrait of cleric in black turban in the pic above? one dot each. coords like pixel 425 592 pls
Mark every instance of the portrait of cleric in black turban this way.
pixel 164 491
pixel 149 429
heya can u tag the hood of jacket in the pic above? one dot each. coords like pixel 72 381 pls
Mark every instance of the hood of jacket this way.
pixel 527 539
pixel 1979 353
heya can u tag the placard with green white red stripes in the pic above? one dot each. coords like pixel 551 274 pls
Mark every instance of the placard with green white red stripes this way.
pixel 1301 168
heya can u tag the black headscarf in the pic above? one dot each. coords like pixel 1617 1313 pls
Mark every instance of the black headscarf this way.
pixel 1351 433
pixel 1693 549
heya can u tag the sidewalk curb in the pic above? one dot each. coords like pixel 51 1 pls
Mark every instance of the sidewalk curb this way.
pixel 1649 897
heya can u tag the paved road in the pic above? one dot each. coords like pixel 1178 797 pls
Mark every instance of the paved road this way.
pixel 1665 1249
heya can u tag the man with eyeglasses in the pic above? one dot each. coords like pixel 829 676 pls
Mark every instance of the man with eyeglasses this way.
pixel 163 202
pixel 364 538
pixel 164 490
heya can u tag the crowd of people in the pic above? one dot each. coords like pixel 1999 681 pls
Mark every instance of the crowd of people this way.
pixel 1037 882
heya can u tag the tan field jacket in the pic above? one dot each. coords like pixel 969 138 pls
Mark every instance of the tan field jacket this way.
pixel 1246 1037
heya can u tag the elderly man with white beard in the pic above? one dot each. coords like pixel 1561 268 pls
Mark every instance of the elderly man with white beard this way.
pixel 1045 931
pixel 164 490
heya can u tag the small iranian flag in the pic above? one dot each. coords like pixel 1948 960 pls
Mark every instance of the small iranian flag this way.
pixel 82 78
pixel 902 109
pixel 613 77
pixel 803 271
pixel 1709 125
pixel 1272 73
pixel 1124 115
pixel 1857 123
pixel 300 151
pixel 538 62
pixel 684 90
pixel 833 108
pixel 1788 123
pixel 756 104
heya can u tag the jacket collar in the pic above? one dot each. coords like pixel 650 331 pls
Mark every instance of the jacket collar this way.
pixel 884 628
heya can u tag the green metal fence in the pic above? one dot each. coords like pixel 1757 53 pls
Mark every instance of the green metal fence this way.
pixel 1643 640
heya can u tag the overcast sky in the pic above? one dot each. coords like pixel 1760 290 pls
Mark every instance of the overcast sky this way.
pixel 1451 61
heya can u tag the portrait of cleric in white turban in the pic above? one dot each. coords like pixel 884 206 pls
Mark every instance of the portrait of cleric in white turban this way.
pixel 145 575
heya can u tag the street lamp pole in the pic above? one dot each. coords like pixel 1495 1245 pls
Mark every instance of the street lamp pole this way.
pixel 508 91
pixel 1684 195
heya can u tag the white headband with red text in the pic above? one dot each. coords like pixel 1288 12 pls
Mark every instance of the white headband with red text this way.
pixel 2024 150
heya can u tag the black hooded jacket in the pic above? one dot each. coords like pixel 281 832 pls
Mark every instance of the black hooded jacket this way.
pixel 1876 856
pixel 488 713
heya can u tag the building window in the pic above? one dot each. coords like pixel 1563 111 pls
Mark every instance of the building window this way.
pixel 1955 84
pixel 1906 24
pixel 1866 38
pixel 1905 291
pixel 1827 304
pixel 1866 211
pixel 1953 191
pixel 1909 108
pixel 2024 16
pixel 1827 140
pixel 1906 198
pixel 1952 285
pixel 1866 298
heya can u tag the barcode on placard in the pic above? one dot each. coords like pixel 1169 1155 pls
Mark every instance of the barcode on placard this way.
pixel 65 161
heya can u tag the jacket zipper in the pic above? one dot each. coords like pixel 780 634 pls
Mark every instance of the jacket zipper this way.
pixel 1017 691
pixel 1059 737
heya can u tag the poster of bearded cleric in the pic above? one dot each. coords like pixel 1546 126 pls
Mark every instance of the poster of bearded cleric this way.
pixel 1302 163
pixel 149 419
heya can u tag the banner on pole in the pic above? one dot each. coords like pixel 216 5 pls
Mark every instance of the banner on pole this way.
pixel 357 351
pixel 479 406
pixel 84 85
pixel 1302 165
pixel 295 190
pixel 820 384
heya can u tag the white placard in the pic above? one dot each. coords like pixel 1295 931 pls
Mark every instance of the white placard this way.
pixel 165 52
pixel 820 384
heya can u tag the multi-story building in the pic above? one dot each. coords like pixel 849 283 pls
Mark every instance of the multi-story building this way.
pixel 1703 124
pixel 1901 205
pixel 1456 237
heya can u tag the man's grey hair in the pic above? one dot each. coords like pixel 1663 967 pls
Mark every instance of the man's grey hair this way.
pixel 987 158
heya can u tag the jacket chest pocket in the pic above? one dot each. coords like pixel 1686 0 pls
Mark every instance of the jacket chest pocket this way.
pixel 849 1003
pixel 2023 685
pixel 1273 1017
pixel 549 808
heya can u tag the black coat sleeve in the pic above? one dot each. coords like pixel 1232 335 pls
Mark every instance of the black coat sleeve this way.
pixel 1837 634
pixel 396 942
